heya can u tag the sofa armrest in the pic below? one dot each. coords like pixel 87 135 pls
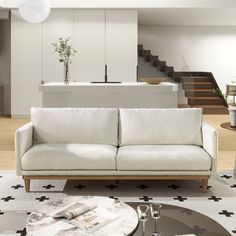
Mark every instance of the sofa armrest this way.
pixel 210 144
pixel 23 141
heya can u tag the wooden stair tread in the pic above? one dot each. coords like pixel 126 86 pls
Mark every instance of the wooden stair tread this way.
pixel 213 109
pixel 197 83
pixel 201 98
pixel 199 90
pixel 210 106
pixel 195 76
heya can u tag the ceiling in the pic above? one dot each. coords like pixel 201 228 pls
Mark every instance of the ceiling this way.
pixel 187 16
pixel 130 3
pixel 158 12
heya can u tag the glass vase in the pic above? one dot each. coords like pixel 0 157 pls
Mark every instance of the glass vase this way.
pixel 66 72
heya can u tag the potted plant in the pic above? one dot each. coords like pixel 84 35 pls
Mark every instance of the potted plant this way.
pixel 65 51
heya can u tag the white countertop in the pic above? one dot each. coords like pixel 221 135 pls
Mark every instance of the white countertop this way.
pixel 126 95
pixel 60 86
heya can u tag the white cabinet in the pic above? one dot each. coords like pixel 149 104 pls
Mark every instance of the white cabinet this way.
pixel 58 24
pixel 123 95
pixel 89 40
pixel 105 37
pixel 101 37
pixel 121 45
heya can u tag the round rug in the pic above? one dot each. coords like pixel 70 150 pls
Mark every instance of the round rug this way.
pixel 226 125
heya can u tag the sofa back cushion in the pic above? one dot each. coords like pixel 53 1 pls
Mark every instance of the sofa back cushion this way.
pixel 75 125
pixel 160 126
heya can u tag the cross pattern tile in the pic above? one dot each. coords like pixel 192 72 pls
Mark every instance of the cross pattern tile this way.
pixel 146 198
pixel 7 199
pixel 49 186
pixel 180 198
pixel 116 198
pixel 42 198
pixel 22 232
pixel 226 213
pixel 17 186
pixel 214 198
pixel 226 176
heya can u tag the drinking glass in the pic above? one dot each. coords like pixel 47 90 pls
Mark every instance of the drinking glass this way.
pixel 155 213
pixel 143 213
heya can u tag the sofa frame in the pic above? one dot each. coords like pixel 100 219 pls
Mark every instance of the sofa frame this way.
pixel 204 178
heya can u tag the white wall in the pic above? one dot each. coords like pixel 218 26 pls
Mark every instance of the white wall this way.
pixel 5 62
pixel 205 48
pixel 26 65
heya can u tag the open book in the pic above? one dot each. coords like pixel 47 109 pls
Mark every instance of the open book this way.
pixel 86 216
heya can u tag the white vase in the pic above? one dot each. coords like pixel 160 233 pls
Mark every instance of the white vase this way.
pixel 232 116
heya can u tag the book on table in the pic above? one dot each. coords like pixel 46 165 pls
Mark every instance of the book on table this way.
pixel 86 216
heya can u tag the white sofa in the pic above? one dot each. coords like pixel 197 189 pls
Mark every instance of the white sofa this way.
pixel 107 143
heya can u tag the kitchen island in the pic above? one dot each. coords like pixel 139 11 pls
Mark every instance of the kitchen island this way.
pixel 123 95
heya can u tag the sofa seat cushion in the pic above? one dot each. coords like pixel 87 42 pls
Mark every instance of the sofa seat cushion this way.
pixel 70 157
pixel 163 157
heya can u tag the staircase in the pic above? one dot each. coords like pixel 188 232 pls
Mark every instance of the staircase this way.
pixel 200 87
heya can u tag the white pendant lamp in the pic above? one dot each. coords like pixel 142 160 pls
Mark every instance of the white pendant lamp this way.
pixel 34 11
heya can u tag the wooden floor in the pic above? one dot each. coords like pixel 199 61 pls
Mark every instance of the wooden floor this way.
pixel 227 141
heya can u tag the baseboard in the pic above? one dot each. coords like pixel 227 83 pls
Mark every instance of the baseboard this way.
pixel 20 116
pixel 5 115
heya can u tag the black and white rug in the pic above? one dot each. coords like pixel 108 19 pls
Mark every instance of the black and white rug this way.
pixel 219 202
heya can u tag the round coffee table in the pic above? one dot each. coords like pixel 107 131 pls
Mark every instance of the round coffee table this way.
pixel 181 221
pixel 174 221
pixel 42 223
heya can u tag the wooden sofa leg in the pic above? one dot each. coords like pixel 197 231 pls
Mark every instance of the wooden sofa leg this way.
pixel 204 185
pixel 27 184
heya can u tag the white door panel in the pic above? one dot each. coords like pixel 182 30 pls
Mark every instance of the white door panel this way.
pixel 121 45
pixel 90 41
pixel 26 65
